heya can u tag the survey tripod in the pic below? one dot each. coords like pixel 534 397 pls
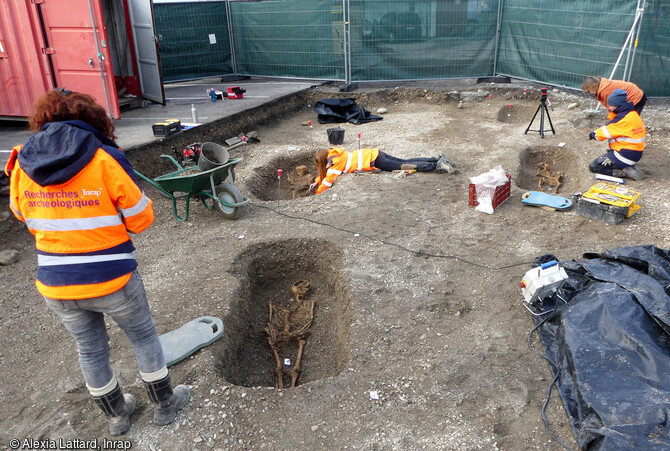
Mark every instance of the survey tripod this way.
pixel 542 109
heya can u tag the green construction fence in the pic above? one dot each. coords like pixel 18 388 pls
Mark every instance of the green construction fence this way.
pixel 554 42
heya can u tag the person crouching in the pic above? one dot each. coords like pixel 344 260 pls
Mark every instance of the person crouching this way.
pixel 626 134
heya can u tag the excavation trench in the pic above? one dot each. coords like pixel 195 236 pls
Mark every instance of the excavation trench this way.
pixel 267 273
pixel 514 113
pixel 558 159
pixel 294 183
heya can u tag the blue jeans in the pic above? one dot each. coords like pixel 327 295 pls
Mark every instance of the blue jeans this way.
pixel 128 307
pixel 386 162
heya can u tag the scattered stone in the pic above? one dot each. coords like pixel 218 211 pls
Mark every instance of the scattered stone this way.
pixel 461 105
pixel 315 427
pixel 5 215
pixel 479 95
pixel 9 257
pixel 572 106
pixel 382 111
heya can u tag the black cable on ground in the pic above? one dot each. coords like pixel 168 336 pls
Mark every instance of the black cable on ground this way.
pixel 555 368
pixel 389 243
pixel 492 268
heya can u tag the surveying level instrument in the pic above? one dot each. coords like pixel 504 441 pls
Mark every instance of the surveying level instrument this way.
pixel 542 109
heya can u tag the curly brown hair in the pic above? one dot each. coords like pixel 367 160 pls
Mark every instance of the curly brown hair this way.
pixel 591 84
pixel 58 106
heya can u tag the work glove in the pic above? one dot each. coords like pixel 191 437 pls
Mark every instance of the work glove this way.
pixel 592 135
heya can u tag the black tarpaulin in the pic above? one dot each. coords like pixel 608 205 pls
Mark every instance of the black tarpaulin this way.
pixel 611 343
pixel 331 111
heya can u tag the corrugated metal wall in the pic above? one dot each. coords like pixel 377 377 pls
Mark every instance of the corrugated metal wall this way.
pixel 22 71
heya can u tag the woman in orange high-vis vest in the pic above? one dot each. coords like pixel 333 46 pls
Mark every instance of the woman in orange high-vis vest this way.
pixel 78 195
pixel 333 162
pixel 602 88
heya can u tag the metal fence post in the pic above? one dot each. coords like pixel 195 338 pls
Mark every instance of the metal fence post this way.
pixel 346 44
pixel 497 46
pixel 631 55
pixel 627 43
pixel 231 39
pixel 347 41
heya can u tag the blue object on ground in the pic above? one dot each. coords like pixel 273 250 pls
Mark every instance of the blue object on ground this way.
pixel 540 199
pixel 181 343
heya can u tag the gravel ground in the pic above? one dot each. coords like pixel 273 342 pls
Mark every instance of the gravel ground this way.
pixel 419 337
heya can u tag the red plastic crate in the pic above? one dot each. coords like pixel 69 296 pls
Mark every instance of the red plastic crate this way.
pixel 500 195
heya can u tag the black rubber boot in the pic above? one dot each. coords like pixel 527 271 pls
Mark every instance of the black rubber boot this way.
pixel 633 172
pixel 117 408
pixel 166 400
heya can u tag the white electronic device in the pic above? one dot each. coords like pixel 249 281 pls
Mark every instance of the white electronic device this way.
pixel 542 281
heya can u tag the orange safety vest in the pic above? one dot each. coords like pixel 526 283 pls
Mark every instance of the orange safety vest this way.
pixel 340 161
pixel 625 134
pixel 81 225
pixel 607 86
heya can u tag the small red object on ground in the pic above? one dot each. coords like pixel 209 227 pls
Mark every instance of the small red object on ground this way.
pixel 235 92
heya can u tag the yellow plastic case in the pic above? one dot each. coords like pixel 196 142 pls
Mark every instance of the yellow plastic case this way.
pixel 614 195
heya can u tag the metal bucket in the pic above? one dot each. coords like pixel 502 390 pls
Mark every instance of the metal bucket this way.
pixel 212 156
pixel 335 135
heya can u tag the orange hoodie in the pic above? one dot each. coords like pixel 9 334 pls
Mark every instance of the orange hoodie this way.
pixel 78 196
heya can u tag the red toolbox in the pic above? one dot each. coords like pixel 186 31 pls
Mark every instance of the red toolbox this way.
pixel 500 195
pixel 235 92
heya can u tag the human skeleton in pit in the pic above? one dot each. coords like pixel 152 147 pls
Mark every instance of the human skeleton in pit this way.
pixel 287 329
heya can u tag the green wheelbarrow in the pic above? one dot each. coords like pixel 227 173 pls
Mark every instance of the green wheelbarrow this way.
pixel 209 186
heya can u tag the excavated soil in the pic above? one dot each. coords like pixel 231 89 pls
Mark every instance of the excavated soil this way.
pixel 419 336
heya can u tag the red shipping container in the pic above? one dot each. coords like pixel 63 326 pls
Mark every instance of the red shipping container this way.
pixel 64 44
pixel 24 70
pixel 500 195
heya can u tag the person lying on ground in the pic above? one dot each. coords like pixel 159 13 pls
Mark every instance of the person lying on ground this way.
pixel 602 88
pixel 335 161
pixel 78 195
pixel 626 134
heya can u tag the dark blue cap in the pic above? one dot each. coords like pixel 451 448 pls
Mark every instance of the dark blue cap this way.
pixel 617 98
